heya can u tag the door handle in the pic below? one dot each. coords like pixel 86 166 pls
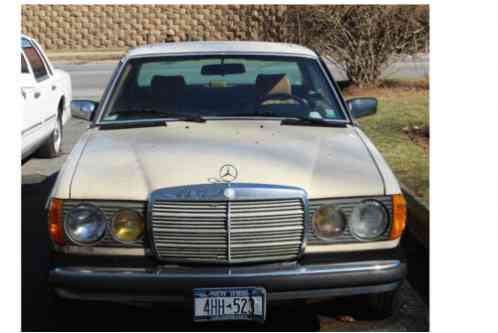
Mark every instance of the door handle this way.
pixel 25 91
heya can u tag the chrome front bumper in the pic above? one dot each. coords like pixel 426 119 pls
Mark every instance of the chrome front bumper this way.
pixel 174 283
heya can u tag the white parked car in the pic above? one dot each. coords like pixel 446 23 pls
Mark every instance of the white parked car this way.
pixel 46 98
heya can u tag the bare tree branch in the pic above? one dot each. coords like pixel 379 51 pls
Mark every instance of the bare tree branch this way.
pixel 364 39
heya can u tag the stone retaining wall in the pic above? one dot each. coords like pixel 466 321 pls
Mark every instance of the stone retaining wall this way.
pixel 118 26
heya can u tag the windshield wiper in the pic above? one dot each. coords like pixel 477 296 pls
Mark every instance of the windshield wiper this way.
pixel 303 121
pixel 178 116
pixel 191 117
pixel 120 125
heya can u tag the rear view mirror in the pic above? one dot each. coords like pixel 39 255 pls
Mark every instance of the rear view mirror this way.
pixel 83 109
pixel 362 106
pixel 223 69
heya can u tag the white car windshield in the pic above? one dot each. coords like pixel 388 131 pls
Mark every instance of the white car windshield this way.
pixel 221 86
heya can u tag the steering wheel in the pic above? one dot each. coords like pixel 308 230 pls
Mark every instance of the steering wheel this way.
pixel 283 97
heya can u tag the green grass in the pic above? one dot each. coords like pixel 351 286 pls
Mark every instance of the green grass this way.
pixel 399 108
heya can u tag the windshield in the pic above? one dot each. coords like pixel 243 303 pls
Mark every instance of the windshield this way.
pixel 221 86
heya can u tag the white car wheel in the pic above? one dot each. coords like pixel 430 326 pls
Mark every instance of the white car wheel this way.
pixel 57 136
pixel 52 147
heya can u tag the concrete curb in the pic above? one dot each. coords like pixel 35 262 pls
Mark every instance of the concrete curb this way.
pixel 418 217
pixel 84 57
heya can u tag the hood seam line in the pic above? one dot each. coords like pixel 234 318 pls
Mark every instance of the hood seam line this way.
pixel 76 166
pixel 374 161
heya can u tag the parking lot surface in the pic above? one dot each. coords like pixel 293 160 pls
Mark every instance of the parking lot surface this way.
pixel 38 313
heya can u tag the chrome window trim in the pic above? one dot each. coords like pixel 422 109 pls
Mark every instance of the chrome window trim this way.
pixel 32 43
pixel 256 118
pixel 340 100
pixel 220 53
pixel 122 64
pixel 42 56
pixel 107 92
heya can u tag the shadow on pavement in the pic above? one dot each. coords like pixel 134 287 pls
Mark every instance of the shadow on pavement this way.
pixel 34 250
pixel 418 270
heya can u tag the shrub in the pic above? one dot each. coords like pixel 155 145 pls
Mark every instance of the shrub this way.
pixel 364 40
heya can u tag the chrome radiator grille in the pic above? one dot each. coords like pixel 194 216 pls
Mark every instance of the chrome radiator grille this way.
pixel 228 231
pixel 269 230
pixel 190 231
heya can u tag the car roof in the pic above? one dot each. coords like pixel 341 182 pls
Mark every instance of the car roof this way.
pixel 236 47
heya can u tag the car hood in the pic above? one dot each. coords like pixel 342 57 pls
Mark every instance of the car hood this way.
pixel 128 164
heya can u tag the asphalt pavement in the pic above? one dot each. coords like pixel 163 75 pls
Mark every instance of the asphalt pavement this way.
pixel 38 313
pixel 90 79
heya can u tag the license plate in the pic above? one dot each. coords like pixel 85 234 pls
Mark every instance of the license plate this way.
pixel 215 304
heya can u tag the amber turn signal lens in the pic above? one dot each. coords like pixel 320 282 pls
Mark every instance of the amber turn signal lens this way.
pixel 399 216
pixel 55 221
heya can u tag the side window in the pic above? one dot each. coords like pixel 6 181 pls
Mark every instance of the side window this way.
pixel 37 65
pixel 24 65
pixel 45 61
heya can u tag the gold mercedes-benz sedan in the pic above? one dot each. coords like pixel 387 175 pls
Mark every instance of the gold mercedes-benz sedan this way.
pixel 225 176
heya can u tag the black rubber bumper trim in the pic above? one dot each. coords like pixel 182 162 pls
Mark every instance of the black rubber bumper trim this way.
pixel 180 281
pixel 131 297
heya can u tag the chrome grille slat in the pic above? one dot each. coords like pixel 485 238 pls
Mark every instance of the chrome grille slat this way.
pixel 265 214
pixel 196 245
pixel 259 230
pixel 189 231
pixel 241 230
pixel 266 251
pixel 273 225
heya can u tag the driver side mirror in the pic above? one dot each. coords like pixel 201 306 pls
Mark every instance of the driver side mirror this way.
pixel 362 106
pixel 83 109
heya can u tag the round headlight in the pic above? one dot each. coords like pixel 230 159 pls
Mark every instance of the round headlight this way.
pixel 368 220
pixel 328 222
pixel 127 226
pixel 85 224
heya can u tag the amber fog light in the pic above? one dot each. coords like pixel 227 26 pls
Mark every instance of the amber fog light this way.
pixel 328 222
pixel 127 226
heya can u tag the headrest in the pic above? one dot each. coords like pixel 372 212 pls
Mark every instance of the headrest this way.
pixel 167 83
pixel 271 84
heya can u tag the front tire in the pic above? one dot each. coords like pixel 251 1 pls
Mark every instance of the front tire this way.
pixel 52 147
